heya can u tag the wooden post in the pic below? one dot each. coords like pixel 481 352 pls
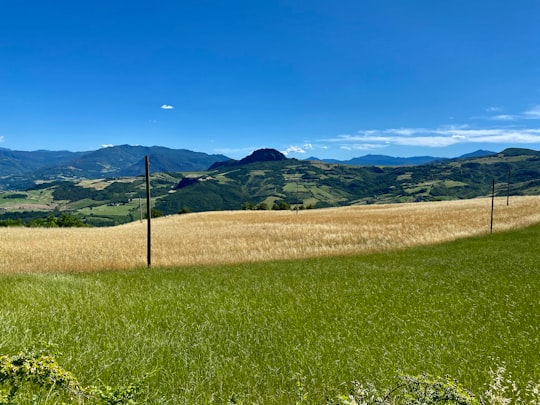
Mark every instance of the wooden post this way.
pixel 149 215
pixel 492 205
pixel 508 190
pixel 297 207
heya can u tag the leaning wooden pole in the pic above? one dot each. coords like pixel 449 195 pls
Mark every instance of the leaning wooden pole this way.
pixel 148 215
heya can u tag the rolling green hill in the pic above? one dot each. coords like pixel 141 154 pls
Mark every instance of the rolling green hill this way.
pixel 303 184
pixel 268 180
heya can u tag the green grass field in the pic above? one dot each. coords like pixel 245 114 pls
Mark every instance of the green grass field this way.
pixel 256 332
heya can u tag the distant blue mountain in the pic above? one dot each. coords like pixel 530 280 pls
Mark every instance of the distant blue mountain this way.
pixel 384 160
pixel 478 153
pixel 20 167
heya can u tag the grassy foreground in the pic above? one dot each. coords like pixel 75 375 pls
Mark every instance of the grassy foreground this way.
pixel 270 332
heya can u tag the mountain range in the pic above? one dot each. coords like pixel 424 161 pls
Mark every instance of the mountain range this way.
pixel 384 160
pixel 21 169
pixel 106 187
pixel 268 179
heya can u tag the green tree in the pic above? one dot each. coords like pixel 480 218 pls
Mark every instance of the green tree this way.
pixel 248 205
pixel 155 213
pixel 67 221
pixel 51 222
pixel 262 206
pixel 281 205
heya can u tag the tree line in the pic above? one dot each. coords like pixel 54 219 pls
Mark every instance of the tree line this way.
pixel 64 220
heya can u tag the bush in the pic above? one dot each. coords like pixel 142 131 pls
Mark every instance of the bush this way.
pixel 261 206
pixel 65 220
pixel 424 389
pixel 69 221
pixel 248 205
pixel 281 205
pixel 184 210
pixel 10 222
pixel 32 374
pixel 428 390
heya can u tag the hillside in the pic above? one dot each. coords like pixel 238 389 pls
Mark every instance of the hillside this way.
pixel 13 163
pixel 315 184
pixel 269 180
pixel 20 170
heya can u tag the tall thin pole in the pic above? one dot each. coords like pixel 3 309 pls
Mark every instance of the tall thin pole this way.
pixel 508 190
pixel 148 215
pixel 492 205
pixel 297 197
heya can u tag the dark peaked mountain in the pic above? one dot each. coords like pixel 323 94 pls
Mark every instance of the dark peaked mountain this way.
pixel 263 155
pixel 260 155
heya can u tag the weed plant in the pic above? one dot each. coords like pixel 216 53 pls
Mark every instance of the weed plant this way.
pixel 289 331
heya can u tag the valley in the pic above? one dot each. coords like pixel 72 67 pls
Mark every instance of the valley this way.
pixel 266 180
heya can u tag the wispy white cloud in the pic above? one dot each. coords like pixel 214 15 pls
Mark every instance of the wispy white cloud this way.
pixel 298 149
pixel 167 107
pixel 533 113
pixel 503 129
pixel 503 117
pixel 107 145
pixel 1 139
pixel 363 146
pixel 435 137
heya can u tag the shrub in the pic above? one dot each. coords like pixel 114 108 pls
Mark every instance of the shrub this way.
pixel 281 205
pixel 35 372
pixel 261 206
pixel 428 390
pixel 10 222
pixel 409 390
pixel 248 205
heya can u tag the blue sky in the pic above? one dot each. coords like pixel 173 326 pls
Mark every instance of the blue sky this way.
pixel 332 79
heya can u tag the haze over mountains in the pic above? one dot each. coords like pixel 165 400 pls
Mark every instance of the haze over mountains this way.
pixel 18 167
pixel 127 160
pixel 116 160
pixel 385 160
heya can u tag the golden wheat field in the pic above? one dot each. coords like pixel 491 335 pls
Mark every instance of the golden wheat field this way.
pixel 247 236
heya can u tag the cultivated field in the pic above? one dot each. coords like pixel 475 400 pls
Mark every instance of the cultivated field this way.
pixel 253 236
